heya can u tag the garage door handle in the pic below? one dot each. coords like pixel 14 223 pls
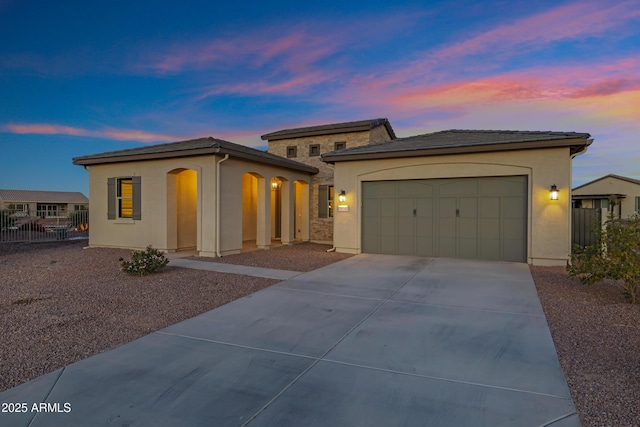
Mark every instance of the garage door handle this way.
pixel 414 212
pixel 457 213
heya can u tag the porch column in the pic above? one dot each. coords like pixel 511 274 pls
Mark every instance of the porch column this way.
pixel 288 212
pixel 263 237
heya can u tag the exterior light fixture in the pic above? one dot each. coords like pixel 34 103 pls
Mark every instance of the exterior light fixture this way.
pixel 342 197
pixel 274 184
pixel 553 193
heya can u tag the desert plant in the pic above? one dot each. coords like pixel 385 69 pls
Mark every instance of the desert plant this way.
pixel 616 256
pixel 145 262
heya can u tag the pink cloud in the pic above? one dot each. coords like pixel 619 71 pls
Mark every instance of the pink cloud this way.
pixel 122 135
pixel 295 84
pixel 575 20
pixel 297 48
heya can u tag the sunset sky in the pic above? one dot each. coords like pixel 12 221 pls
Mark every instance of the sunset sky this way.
pixel 83 77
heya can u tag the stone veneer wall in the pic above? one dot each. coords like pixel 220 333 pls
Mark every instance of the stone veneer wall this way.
pixel 321 229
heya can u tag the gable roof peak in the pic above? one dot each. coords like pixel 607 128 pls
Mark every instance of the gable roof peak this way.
pixel 611 175
pixel 331 128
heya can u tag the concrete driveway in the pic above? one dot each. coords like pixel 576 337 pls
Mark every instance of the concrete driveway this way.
pixel 374 340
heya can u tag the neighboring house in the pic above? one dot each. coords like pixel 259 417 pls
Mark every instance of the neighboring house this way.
pixel 620 195
pixel 308 144
pixel 43 204
pixel 469 194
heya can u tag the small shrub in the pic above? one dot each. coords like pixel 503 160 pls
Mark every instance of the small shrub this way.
pixel 145 262
pixel 616 256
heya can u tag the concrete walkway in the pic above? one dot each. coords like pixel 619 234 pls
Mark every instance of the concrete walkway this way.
pixel 373 340
pixel 179 260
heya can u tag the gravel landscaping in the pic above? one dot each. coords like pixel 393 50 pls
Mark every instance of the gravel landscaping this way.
pixel 597 337
pixel 60 303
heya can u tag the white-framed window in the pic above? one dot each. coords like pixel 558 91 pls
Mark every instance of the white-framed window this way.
pixel 45 210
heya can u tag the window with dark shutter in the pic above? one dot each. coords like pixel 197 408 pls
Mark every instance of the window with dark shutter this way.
pixel 124 198
pixel 111 198
pixel 325 201
pixel 292 151
pixel 314 150
pixel 341 145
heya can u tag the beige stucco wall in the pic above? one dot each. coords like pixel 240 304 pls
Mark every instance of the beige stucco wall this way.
pixel 168 219
pixel 321 229
pixel 159 195
pixel 548 233
pixel 611 185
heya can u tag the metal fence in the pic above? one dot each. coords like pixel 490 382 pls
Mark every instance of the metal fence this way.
pixel 585 223
pixel 19 226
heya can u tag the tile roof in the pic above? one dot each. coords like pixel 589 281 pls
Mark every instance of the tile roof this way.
pixel 193 147
pixel 611 175
pixel 328 129
pixel 462 141
pixel 26 196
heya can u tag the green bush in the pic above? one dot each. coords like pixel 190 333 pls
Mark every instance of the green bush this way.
pixel 145 262
pixel 616 256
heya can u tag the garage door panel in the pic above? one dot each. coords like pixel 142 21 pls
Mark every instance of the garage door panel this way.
pixel 380 189
pixel 425 246
pixel 514 207
pixel 489 228
pixel 370 225
pixel 514 250
pixel 490 207
pixel 502 186
pixel 388 208
pixel 447 247
pixel 458 187
pixel 490 249
pixel 467 248
pixel 418 188
pixel 468 217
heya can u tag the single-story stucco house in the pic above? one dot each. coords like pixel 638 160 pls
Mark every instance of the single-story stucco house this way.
pixel 470 194
pixel 616 194
pixel 43 204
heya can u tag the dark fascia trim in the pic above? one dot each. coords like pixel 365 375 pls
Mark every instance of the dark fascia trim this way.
pixel 196 152
pixel 597 196
pixel 576 145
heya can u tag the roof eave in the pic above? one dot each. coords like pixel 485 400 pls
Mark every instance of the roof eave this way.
pixel 192 153
pixel 92 160
pixel 350 129
pixel 576 144
pixel 276 162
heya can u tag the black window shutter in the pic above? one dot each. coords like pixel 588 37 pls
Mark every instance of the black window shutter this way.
pixel 323 198
pixel 137 198
pixel 111 198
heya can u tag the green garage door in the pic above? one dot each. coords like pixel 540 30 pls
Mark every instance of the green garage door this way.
pixel 481 218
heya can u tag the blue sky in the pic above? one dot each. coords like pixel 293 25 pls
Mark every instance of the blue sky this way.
pixel 80 77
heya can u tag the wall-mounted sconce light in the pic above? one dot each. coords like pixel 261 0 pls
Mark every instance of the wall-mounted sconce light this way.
pixel 553 193
pixel 342 197
pixel 274 184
